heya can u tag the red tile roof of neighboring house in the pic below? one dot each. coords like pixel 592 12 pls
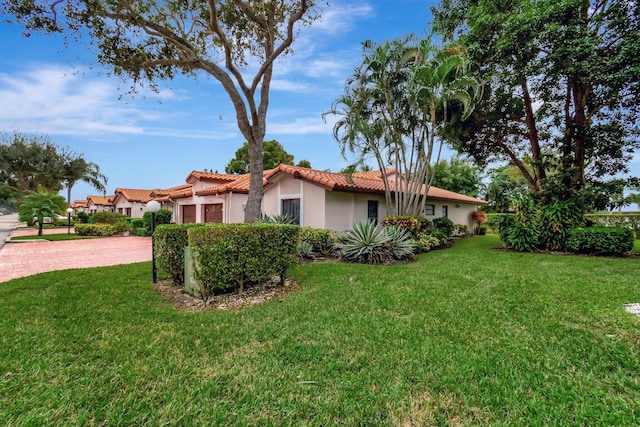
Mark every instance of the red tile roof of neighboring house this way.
pixel 365 182
pixel 99 200
pixel 79 204
pixel 211 176
pixel 166 195
pixel 133 194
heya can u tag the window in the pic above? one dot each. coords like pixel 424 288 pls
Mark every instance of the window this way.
pixel 372 211
pixel 291 207
pixel 429 209
pixel 445 211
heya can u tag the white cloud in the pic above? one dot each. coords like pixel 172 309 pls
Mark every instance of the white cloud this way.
pixel 288 86
pixel 339 18
pixel 301 126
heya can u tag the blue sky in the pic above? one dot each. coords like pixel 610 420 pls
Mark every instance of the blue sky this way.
pixel 154 140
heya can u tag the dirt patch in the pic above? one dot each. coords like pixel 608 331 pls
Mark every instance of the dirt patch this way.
pixel 250 297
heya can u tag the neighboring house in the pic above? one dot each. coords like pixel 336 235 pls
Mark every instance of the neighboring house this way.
pixel 98 204
pixel 80 206
pixel 314 198
pixel 132 202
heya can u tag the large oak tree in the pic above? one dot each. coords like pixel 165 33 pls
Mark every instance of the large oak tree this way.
pixel 155 39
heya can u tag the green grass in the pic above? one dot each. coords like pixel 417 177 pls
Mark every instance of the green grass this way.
pixel 464 336
pixel 55 237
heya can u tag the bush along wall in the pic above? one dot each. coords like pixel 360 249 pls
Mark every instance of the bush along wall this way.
pixel 600 240
pixel 235 256
pixel 170 241
pixel 321 240
pixel 631 220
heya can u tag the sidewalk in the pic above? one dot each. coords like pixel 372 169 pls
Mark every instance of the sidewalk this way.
pixel 27 258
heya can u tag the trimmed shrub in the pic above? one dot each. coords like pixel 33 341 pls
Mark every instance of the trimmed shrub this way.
pixel 140 232
pixel 137 223
pixel 444 224
pixel 103 230
pixel 233 256
pixel 631 220
pixel 82 217
pixel 169 241
pixel 122 226
pixel 163 216
pixel 320 239
pixel 413 224
pixel 601 240
pixel 108 217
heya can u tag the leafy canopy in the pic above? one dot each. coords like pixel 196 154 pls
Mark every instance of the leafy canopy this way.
pixel 273 154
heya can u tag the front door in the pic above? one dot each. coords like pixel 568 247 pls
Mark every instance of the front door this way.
pixel 213 213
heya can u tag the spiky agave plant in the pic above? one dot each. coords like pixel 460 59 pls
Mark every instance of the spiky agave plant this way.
pixel 401 243
pixel 366 243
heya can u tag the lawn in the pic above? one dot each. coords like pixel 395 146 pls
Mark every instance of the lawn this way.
pixel 465 336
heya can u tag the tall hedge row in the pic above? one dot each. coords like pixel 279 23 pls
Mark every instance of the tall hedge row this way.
pixel 233 256
pixel 169 243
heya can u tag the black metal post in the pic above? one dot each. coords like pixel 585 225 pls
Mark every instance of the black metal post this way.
pixel 69 223
pixel 153 246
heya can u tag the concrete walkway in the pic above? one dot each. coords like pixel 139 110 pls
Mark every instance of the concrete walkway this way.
pixel 27 258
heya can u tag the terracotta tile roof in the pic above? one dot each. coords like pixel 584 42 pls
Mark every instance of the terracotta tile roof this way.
pixel 178 192
pixel 79 204
pixel 210 176
pixel 99 200
pixel 364 182
pixel 133 194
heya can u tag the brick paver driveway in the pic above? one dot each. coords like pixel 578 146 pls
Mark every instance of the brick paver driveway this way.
pixel 25 259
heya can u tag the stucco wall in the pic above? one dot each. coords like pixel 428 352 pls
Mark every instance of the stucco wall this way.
pixel 459 213
pixel 235 207
pixel 345 209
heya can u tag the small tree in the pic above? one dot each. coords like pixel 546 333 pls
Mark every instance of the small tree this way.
pixel 40 204
pixel 273 154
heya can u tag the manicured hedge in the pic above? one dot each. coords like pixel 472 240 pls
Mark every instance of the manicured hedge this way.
pixel 321 240
pixel 169 241
pixel 600 240
pixel 233 256
pixel 414 224
pixel 95 230
pixel 631 220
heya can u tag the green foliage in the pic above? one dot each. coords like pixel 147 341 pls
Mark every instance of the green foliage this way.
pixel 556 221
pixel 273 154
pixel 367 243
pixel 401 242
pixel 601 240
pixel 234 256
pixel 108 217
pixel 277 219
pixel 321 240
pixel 444 224
pixel 412 224
pixel 460 230
pixel 163 216
pixel 573 58
pixel 103 230
pixel 458 176
pixel 82 217
pixel 520 231
pixel 122 226
pixel 305 250
pixel 426 242
pixel 631 220
pixel 140 232
pixel 137 223
pixel 41 204
pixel 395 107
pixel 170 241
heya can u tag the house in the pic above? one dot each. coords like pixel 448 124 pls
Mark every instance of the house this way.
pixel 131 202
pixel 80 206
pixel 98 204
pixel 314 198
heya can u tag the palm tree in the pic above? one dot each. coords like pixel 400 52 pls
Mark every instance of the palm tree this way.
pixel 394 109
pixel 40 204
pixel 78 169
